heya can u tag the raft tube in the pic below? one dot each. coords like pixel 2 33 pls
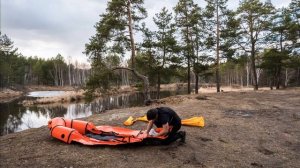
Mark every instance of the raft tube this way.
pixel 68 130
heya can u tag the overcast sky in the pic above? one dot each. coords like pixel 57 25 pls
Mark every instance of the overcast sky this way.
pixel 45 28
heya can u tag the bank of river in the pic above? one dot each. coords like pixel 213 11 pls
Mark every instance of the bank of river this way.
pixel 7 94
pixel 17 117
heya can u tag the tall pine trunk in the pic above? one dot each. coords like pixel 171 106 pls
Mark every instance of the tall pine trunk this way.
pixel 144 78
pixel 197 83
pixel 254 75
pixel 298 77
pixel 158 85
pixel 131 35
pixel 247 71
pixel 278 76
pixel 255 82
pixel 217 49
pixel 189 75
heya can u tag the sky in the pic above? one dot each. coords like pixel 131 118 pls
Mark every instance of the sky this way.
pixel 45 28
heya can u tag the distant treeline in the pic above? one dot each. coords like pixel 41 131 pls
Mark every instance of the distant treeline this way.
pixel 255 44
pixel 18 70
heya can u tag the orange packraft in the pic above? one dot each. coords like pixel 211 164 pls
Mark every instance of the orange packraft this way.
pixel 87 133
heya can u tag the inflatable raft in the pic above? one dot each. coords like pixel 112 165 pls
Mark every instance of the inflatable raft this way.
pixel 87 133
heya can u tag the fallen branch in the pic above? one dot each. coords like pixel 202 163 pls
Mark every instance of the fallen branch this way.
pixel 144 78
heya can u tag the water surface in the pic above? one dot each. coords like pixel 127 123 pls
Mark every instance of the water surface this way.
pixel 15 117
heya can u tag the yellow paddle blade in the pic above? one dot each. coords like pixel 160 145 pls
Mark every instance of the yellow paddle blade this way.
pixel 144 118
pixel 195 121
pixel 129 121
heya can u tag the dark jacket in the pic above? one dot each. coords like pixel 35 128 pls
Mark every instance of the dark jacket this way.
pixel 166 115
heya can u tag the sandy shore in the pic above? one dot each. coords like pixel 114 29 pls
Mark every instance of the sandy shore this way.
pixel 243 129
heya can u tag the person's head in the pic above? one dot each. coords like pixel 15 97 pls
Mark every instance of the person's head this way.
pixel 152 114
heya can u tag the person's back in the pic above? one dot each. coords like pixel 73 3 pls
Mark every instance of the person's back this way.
pixel 167 115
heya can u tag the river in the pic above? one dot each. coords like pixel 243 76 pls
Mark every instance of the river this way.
pixel 15 117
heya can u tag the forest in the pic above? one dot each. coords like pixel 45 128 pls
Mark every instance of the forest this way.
pixel 254 45
pixel 17 70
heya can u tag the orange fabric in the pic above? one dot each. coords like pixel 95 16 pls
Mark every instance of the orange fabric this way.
pixel 61 133
pixel 74 131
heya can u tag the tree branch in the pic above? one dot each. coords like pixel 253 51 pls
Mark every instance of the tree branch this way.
pixel 144 78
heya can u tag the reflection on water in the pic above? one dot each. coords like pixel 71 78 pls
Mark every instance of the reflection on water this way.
pixel 15 117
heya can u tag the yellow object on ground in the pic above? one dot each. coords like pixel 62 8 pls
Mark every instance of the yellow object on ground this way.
pixel 129 121
pixel 194 121
pixel 144 118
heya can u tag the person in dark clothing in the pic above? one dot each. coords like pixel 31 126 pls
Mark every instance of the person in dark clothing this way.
pixel 169 121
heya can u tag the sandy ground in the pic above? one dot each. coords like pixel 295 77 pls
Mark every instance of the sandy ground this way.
pixel 243 129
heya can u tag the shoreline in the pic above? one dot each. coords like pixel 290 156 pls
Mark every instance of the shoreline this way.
pixel 7 94
pixel 242 129
pixel 75 94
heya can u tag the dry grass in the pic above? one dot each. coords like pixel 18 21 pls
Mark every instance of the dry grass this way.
pixel 7 95
pixel 229 89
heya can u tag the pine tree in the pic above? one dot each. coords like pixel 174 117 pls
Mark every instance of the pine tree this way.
pixel 8 62
pixel 115 33
pixel 294 36
pixel 282 29
pixel 254 18
pixel 165 43
pixel 187 16
pixel 272 62
pixel 215 16
pixel 294 29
